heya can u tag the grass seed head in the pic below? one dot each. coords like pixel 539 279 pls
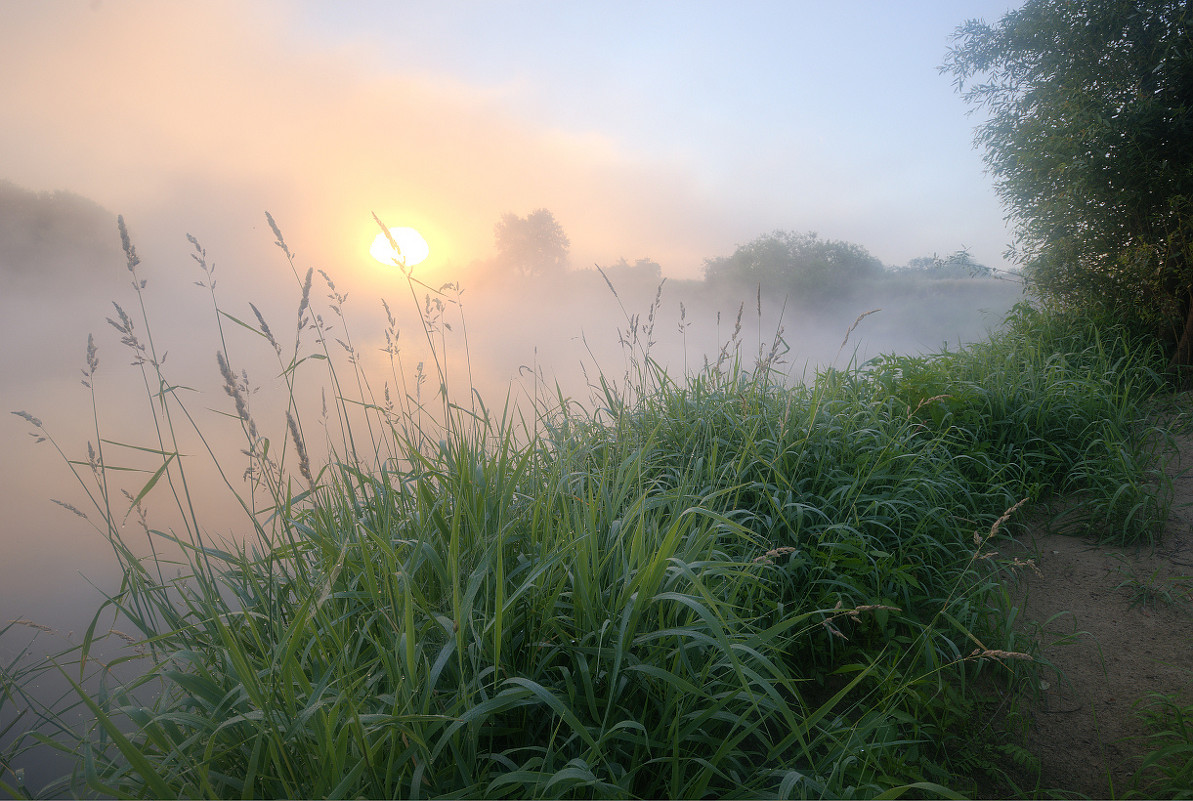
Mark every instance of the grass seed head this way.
pixel 277 232
pixel 775 553
pixel 69 507
pixel 23 621
pixel 265 330
pixel 28 418
pixel 304 463
pixel 232 387
pixel 994 653
pixel 130 251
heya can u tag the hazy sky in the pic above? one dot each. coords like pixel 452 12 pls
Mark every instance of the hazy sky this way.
pixel 670 130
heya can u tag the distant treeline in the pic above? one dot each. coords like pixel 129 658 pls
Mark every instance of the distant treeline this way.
pixel 54 239
pixel 51 237
pixel 801 265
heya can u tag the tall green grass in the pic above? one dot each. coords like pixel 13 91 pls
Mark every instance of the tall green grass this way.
pixel 1051 403
pixel 710 584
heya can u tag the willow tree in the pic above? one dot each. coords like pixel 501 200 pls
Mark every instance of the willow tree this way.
pixel 1088 134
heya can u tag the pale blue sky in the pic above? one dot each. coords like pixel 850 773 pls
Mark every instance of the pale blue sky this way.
pixel 797 115
pixel 667 130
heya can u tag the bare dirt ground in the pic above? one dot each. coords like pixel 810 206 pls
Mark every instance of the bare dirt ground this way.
pixel 1117 625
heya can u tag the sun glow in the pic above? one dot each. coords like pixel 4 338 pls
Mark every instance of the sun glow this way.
pixel 413 248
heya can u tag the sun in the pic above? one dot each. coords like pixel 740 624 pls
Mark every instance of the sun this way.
pixel 413 247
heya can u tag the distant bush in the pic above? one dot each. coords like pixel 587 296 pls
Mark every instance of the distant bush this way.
pixel 54 240
pixel 806 266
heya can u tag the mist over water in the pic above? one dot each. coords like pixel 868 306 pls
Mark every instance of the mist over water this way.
pixel 567 332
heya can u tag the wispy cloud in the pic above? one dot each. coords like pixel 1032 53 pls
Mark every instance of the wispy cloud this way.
pixel 145 106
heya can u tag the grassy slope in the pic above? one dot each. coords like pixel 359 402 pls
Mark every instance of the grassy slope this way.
pixel 709 586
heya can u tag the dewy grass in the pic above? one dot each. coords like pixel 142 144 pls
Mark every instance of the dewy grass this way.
pixel 1156 589
pixel 709 586
pixel 1167 769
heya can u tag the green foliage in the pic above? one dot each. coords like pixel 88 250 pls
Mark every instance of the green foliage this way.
pixel 809 267
pixel 1155 589
pixel 717 587
pixel 1090 141
pixel 1167 770
pixel 1074 384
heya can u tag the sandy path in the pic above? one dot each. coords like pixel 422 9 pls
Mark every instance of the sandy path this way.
pixel 1111 645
